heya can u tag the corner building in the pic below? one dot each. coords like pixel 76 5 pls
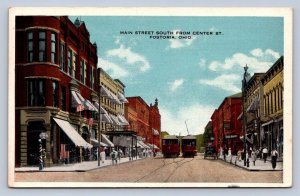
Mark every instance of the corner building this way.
pixel 55 90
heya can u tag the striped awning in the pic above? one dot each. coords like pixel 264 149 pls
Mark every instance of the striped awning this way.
pixel 77 99
pixel 155 132
pixel 106 140
pixel 115 120
pixel 122 98
pixel 70 131
pixel 109 95
pixel 122 120
pixel 96 143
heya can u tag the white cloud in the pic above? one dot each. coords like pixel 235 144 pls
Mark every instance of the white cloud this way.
pixel 196 115
pixel 257 61
pixel 130 57
pixel 180 43
pixel 175 84
pixel 116 71
pixel 227 82
pixel 257 52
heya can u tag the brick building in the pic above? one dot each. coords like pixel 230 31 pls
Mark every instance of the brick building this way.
pixel 144 119
pixel 227 129
pixel 55 89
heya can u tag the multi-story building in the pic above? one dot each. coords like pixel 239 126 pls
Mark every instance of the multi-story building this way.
pixel 253 107
pixel 55 87
pixel 272 118
pixel 144 119
pixel 227 128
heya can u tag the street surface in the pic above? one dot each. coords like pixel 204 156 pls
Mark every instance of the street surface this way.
pixel 159 169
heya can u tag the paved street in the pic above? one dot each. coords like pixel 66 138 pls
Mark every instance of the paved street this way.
pixel 160 170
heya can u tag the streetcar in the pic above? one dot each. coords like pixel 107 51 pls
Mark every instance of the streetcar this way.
pixel 170 146
pixel 189 146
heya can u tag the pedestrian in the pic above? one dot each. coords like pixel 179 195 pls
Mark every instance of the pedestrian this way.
pixel 120 153
pixel 254 156
pixel 239 155
pixel 102 155
pixel 113 156
pixel 230 155
pixel 274 155
pixel 265 153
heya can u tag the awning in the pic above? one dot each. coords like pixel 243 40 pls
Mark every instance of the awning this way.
pixel 143 144
pixel 105 118
pixel 109 95
pixel 90 106
pixel 253 106
pixel 267 123
pixel 115 120
pixel 155 132
pixel 72 133
pixel 240 116
pixel 95 143
pixel 102 110
pixel 106 140
pixel 122 120
pixel 122 98
pixel 151 146
pixel 75 99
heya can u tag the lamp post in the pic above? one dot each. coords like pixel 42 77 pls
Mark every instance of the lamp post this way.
pixel 244 114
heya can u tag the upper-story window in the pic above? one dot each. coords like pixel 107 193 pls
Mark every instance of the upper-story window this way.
pixel 53 47
pixel 70 62
pixel 62 56
pixel 36 92
pixel 85 72
pixel 82 71
pixel 30 47
pixel 42 46
pixel 92 77
pixel 74 65
pixel 54 94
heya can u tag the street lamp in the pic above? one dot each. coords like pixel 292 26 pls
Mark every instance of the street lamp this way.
pixel 244 114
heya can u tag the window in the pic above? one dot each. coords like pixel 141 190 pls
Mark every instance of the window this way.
pixel 70 62
pixel 36 93
pixel 85 72
pixel 63 98
pixel 62 56
pixel 53 47
pixel 74 65
pixel 54 94
pixel 82 70
pixel 92 77
pixel 42 46
pixel 30 47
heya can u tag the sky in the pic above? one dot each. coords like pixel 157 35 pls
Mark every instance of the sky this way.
pixel 190 73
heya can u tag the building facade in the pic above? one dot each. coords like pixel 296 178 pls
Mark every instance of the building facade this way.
pixel 272 131
pixel 55 87
pixel 227 129
pixel 145 120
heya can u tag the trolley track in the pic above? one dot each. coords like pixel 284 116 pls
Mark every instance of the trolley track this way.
pixel 164 165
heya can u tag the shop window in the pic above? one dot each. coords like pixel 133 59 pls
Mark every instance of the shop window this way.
pixel 36 93
pixel 42 46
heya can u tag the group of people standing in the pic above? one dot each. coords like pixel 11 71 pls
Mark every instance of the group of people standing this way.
pixel 261 153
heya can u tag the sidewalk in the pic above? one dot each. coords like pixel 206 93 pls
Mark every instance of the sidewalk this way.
pixel 79 167
pixel 259 164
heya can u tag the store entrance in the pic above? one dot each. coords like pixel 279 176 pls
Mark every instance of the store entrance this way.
pixel 33 131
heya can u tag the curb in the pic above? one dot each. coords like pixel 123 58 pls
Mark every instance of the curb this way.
pixel 77 170
pixel 249 168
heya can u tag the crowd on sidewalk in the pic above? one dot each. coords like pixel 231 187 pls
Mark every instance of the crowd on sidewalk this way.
pixel 257 159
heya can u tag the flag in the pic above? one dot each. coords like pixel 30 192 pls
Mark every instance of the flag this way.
pixel 79 108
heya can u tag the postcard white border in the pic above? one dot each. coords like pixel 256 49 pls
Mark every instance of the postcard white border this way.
pixel 155 11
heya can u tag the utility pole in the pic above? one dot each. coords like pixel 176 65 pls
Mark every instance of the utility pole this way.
pixel 187 126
